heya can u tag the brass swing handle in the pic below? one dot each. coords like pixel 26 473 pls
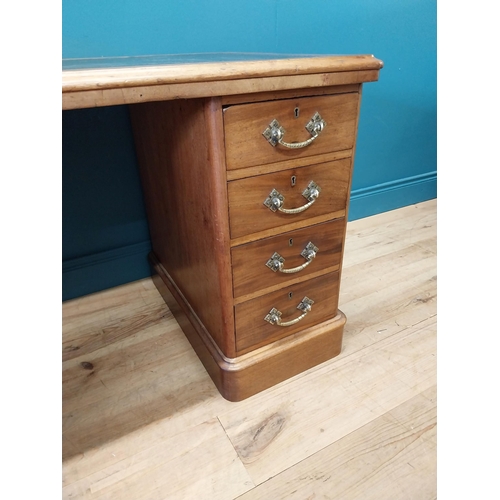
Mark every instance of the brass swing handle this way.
pixel 275 200
pixel 274 316
pixel 274 133
pixel 277 262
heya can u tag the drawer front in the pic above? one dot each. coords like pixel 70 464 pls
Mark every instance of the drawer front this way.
pixel 252 330
pixel 251 274
pixel 248 214
pixel 245 124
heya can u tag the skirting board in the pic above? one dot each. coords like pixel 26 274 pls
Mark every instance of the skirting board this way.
pixel 103 270
pixel 392 195
pixel 242 377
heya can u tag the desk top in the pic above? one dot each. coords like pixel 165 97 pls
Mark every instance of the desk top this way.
pixel 127 80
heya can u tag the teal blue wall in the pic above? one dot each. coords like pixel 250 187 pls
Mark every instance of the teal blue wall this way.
pixel 105 234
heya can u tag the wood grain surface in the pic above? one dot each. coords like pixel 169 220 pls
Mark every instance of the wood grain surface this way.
pixel 248 214
pixel 89 86
pixel 288 94
pixel 134 75
pixel 255 369
pixel 244 125
pixel 287 164
pixel 166 134
pixel 146 422
pixel 253 331
pixel 252 276
pixel 149 92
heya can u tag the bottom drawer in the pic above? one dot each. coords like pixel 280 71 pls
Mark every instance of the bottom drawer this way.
pixel 253 331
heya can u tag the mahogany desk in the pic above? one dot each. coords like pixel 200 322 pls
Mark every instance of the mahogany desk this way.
pixel 246 166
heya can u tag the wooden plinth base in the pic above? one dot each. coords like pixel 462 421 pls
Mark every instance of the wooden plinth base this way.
pixel 242 377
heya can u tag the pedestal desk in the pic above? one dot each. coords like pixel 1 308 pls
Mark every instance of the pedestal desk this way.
pixel 246 165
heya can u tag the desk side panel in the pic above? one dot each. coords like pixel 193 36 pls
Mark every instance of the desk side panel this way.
pixel 179 146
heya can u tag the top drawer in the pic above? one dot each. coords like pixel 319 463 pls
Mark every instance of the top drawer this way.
pixel 244 125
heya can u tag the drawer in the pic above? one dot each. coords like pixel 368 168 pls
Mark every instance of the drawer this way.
pixel 248 214
pixel 252 330
pixel 245 124
pixel 251 274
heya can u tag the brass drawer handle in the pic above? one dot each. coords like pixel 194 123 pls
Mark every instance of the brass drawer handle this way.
pixel 274 133
pixel 275 200
pixel 274 316
pixel 277 262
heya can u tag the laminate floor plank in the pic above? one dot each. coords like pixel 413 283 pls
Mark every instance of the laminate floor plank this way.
pixel 384 233
pixel 394 222
pixel 165 470
pixel 393 456
pixel 150 381
pixel 100 319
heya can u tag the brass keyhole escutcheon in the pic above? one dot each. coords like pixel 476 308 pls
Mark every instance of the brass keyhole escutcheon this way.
pixel 296 112
pixel 293 180
pixel 290 242
pixel 290 295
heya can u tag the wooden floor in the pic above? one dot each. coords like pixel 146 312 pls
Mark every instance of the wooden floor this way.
pixel 142 419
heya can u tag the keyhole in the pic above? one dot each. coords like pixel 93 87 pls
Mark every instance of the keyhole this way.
pixel 293 180
pixel 290 242
pixel 290 295
pixel 296 112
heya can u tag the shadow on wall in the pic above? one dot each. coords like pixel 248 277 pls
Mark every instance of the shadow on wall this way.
pixel 105 230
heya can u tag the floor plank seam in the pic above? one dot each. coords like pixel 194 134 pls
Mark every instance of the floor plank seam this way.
pixel 367 423
pixel 343 359
pixel 373 346
pixel 238 457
